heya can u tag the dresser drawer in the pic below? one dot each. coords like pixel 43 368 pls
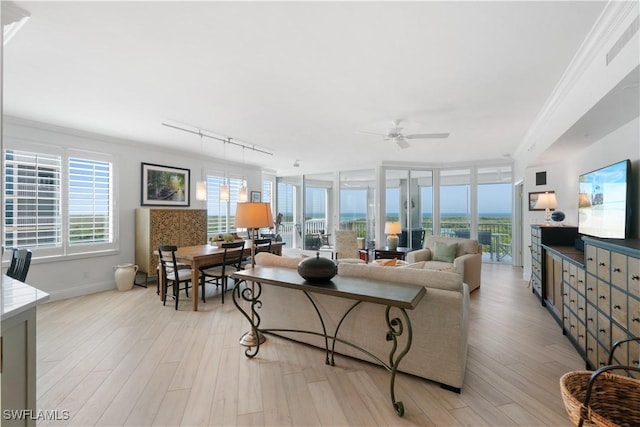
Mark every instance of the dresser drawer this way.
pixel 633 275
pixel 604 264
pixel 619 270
pixel 634 317
pixel 604 297
pixel 590 259
pixel 592 289
pixel 619 306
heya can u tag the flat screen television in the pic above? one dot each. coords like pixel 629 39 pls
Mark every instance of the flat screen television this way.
pixel 603 201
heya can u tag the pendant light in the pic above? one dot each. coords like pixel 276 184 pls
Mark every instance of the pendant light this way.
pixel 224 187
pixel 242 195
pixel 201 186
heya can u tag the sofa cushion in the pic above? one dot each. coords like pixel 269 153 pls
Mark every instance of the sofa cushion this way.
pixel 445 252
pixel 439 266
pixel 445 280
pixel 268 259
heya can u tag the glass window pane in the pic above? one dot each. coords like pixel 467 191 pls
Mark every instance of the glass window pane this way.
pixel 455 212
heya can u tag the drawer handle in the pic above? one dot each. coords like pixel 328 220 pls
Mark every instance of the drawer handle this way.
pixel 565 294
pixel 580 308
pixel 589 259
pixel 602 264
pixel 572 300
pixel 589 319
pixel 635 362
pixel 601 363
pixel 602 297
pixel 565 317
pixel 589 349
pixel 635 277
pixel 590 289
pixel 580 335
pixel 616 307
pixel 603 330
pixel 573 326
pixel 635 319
pixel 564 271
pixel 572 275
pixel 580 281
pixel 616 270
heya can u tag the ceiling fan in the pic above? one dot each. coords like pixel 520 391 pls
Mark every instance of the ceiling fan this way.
pixel 395 134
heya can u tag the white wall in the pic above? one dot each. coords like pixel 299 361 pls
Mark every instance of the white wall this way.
pixel 562 177
pixel 68 277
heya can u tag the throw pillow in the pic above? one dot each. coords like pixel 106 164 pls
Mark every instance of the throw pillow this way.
pixel 445 252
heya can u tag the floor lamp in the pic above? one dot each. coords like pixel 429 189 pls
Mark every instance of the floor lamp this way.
pixel 253 216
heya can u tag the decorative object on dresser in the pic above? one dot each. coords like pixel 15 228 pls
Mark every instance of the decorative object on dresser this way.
pixel 164 185
pixel 155 227
pixel 546 201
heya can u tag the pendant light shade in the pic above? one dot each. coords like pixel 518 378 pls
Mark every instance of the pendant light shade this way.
pixel 201 190
pixel 242 195
pixel 224 192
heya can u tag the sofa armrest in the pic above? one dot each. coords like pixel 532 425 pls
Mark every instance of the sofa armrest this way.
pixel 419 255
pixel 470 266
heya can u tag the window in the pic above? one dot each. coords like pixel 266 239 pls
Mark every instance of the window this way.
pixel 89 202
pixel 221 215
pixel 57 204
pixel 33 217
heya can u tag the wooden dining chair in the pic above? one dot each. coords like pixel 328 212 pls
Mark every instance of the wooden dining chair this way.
pixel 173 273
pixel 20 262
pixel 219 274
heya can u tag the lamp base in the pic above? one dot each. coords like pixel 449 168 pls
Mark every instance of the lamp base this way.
pixel 392 242
pixel 249 339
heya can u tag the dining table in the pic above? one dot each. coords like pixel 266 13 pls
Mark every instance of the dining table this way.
pixel 205 255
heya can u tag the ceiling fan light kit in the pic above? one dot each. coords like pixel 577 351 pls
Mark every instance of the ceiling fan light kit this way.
pixel 395 134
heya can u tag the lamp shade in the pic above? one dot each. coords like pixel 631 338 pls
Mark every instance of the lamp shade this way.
pixel 224 192
pixel 392 228
pixel 547 201
pixel 253 215
pixel 201 190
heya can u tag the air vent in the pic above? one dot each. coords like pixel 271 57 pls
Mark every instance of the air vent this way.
pixel 623 40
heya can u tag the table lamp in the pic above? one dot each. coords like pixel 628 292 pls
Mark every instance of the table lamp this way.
pixel 253 216
pixel 391 229
pixel 547 201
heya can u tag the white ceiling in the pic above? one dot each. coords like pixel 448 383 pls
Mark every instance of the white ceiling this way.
pixel 300 79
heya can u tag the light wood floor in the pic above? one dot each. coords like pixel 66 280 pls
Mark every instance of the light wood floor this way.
pixel 123 359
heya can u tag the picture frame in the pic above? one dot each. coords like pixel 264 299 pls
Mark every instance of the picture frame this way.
pixel 256 196
pixel 164 185
pixel 533 199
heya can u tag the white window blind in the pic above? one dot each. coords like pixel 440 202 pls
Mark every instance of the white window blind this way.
pixel 32 216
pixel 266 191
pixel 90 207
pixel 221 215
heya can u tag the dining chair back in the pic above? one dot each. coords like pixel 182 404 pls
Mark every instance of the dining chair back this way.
pixel 219 274
pixel 173 273
pixel 20 262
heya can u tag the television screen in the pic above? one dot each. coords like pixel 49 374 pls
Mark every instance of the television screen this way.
pixel 603 201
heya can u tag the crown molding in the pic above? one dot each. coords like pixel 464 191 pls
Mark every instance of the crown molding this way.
pixel 608 24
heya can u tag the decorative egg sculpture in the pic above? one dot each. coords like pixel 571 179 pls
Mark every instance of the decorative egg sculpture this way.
pixel 557 216
pixel 317 269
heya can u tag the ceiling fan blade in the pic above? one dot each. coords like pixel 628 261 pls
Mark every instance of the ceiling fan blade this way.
pixel 427 135
pixel 402 143
pixel 372 133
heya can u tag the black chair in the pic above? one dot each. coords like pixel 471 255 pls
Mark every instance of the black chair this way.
pixel 173 273
pixel 219 274
pixel 485 239
pixel 463 234
pixel 260 245
pixel 20 262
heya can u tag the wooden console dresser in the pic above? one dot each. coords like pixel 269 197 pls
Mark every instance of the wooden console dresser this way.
pixel 594 295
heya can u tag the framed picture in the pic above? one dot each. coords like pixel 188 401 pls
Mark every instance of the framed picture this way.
pixel 164 185
pixel 255 196
pixel 533 199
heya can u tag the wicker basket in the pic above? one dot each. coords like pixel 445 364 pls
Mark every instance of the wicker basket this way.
pixel 615 399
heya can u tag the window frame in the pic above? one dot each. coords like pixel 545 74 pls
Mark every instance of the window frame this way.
pixel 66 249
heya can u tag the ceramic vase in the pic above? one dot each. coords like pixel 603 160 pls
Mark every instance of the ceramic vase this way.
pixel 125 275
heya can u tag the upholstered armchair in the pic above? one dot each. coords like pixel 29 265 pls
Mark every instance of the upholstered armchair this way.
pixel 446 253
pixel 346 249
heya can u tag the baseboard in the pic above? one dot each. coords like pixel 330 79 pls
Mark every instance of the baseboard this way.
pixel 78 291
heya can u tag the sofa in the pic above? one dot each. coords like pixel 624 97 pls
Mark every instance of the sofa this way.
pixel 466 258
pixel 440 321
